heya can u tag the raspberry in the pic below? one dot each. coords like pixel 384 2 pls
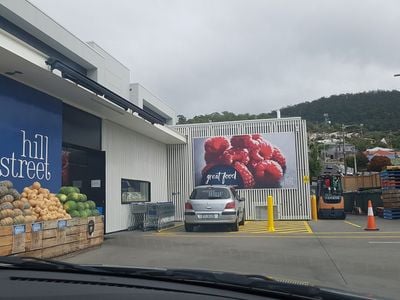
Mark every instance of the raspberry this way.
pixel 244 141
pixel 268 173
pixel 247 177
pixel 279 158
pixel 239 141
pixel 263 152
pixel 257 137
pixel 236 154
pixel 216 145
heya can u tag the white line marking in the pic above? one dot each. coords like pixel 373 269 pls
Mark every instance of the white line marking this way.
pixel 384 242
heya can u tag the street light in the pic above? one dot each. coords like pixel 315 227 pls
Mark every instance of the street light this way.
pixel 344 151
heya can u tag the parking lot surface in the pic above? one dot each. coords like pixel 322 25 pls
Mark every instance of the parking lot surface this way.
pixel 334 253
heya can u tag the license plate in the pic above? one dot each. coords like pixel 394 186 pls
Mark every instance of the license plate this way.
pixel 208 216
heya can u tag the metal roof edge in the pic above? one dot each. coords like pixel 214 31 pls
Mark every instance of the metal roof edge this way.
pixel 239 121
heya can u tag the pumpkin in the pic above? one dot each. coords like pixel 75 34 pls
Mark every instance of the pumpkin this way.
pixel 18 204
pixel 27 212
pixel 36 185
pixel 6 213
pixel 7 198
pixel 6 221
pixel 19 220
pixel 17 212
pixel 3 191
pixel 7 183
pixel 6 205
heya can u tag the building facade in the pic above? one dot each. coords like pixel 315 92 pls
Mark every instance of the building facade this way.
pixel 71 117
pixel 71 120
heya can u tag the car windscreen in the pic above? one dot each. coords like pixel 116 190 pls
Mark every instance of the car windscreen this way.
pixel 210 193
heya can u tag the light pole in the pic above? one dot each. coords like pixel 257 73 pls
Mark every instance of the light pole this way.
pixel 344 151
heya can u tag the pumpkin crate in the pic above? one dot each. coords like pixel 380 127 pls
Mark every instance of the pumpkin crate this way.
pixel 49 239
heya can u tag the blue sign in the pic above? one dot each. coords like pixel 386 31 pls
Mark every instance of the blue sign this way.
pixel 62 224
pixel 37 227
pixel 18 229
pixel 221 174
pixel 31 134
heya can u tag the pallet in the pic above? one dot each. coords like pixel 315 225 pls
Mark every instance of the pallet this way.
pixel 389 188
pixel 391 217
pixel 389 192
pixel 391 214
pixel 392 210
pixel 390 168
pixel 391 205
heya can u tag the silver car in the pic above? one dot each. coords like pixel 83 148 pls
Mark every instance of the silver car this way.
pixel 216 204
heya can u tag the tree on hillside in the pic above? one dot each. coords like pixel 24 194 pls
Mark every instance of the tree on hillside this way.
pixel 181 119
pixel 377 163
pixel 314 161
pixel 361 159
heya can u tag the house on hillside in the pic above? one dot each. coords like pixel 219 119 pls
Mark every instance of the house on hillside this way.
pixel 334 150
pixel 388 152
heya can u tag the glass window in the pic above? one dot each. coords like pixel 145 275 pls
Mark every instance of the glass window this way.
pixel 134 191
pixel 210 193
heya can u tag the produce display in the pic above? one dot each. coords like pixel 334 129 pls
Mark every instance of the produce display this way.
pixel 36 203
pixel 45 205
pixel 13 208
pixel 77 204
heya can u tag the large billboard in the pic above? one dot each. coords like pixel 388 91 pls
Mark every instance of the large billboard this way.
pixel 31 135
pixel 250 161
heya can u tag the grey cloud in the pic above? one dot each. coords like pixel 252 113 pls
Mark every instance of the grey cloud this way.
pixel 243 56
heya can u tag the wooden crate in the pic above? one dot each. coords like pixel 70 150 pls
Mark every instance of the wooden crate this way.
pixel 52 241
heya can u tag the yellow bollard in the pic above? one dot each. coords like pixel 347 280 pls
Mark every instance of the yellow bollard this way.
pixel 270 203
pixel 314 212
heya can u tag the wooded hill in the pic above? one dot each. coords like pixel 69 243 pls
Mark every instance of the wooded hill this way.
pixel 377 110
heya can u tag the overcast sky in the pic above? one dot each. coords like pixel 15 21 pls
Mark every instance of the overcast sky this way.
pixel 202 56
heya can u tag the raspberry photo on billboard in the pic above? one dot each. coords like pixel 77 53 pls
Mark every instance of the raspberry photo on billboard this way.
pixel 247 161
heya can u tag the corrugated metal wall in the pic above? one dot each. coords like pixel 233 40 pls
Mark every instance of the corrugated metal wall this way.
pixel 133 156
pixel 291 204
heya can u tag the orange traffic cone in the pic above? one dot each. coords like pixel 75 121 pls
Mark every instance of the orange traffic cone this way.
pixel 371 219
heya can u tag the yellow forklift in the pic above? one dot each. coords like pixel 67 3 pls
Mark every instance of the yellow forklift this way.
pixel 330 194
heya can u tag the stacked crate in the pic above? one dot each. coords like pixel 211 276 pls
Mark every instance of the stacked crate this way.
pixel 390 181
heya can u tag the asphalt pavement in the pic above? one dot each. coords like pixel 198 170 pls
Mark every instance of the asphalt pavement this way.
pixel 333 253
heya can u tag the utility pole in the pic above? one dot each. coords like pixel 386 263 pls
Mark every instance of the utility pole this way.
pixel 344 152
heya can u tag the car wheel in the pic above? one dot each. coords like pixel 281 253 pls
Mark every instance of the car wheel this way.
pixel 242 221
pixel 188 227
pixel 235 226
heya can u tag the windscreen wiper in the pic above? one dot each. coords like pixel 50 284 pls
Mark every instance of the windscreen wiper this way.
pixel 246 283
pixel 243 283
pixel 34 263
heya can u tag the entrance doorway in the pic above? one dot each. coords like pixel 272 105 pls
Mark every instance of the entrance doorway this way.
pixel 85 169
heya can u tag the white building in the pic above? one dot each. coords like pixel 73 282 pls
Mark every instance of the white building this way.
pixel 111 138
pixel 108 129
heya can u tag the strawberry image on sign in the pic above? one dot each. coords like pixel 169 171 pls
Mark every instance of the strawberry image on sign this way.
pixel 247 177
pixel 268 173
pixel 237 154
pixel 216 145
pixel 279 158
pixel 256 160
